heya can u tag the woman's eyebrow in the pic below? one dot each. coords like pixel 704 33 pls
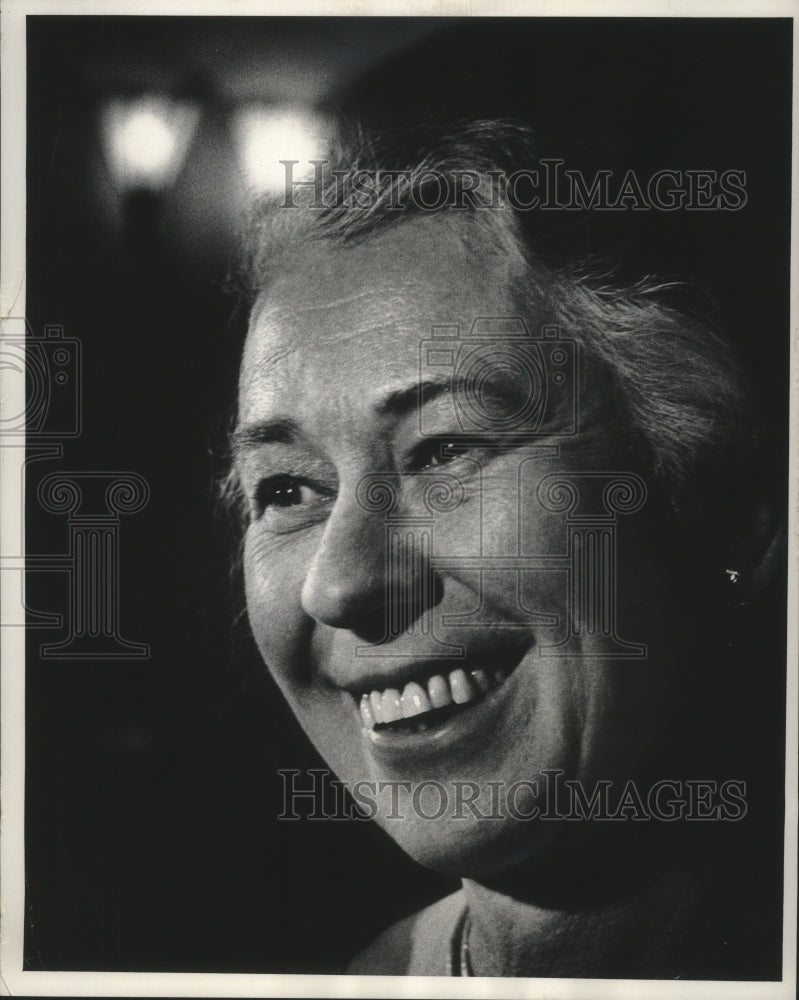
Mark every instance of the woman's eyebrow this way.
pixel 276 430
pixel 401 401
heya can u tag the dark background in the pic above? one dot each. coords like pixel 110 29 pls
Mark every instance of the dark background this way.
pixel 152 840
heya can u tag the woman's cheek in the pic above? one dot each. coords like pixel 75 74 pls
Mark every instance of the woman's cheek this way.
pixel 273 579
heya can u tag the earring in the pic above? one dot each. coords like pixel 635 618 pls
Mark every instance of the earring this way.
pixel 734 578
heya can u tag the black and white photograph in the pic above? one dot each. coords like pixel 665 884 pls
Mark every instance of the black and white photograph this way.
pixel 399 500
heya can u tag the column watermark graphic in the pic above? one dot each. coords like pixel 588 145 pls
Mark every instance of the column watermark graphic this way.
pixel 502 389
pixel 93 502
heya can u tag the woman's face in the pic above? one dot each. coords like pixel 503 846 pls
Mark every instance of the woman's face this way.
pixel 442 622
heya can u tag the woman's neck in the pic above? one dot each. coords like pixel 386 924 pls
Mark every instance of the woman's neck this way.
pixel 660 927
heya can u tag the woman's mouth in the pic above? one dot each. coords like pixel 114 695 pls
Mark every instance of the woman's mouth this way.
pixel 427 703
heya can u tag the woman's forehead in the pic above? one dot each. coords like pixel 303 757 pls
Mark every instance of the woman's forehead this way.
pixel 431 254
pixel 388 292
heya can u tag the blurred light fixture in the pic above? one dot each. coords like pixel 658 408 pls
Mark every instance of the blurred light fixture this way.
pixel 266 134
pixel 146 139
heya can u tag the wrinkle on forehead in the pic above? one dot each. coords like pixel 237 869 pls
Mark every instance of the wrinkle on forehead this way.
pixel 394 292
pixel 278 344
pixel 372 310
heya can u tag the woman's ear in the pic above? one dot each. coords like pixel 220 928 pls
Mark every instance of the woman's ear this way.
pixel 772 554
pixel 761 555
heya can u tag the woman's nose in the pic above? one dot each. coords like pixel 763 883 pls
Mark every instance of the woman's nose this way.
pixel 359 580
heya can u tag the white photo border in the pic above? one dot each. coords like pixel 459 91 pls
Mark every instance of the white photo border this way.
pixel 13 980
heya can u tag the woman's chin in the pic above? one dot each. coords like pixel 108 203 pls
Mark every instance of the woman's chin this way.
pixel 476 848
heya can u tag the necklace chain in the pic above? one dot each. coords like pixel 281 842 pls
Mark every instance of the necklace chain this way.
pixel 466 962
pixel 459 959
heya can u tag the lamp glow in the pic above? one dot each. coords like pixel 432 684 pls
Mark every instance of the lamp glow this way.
pixel 266 135
pixel 146 140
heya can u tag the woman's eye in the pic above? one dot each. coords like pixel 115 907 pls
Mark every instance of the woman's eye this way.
pixel 280 494
pixel 284 492
pixel 434 453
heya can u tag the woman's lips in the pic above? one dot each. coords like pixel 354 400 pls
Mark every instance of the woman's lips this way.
pixel 438 735
pixel 437 711
pixel 424 703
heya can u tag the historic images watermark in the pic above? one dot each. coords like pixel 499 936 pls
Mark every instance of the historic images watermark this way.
pixel 548 186
pixel 536 375
pixel 317 794
pixel 47 365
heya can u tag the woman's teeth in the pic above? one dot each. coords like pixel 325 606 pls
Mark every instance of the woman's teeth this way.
pixel 458 687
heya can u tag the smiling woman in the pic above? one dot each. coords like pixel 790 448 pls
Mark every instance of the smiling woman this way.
pixel 487 509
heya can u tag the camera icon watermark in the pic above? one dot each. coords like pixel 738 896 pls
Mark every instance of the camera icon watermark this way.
pixel 41 409
pixel 503 392
pixel 501 378
pixel 49 364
